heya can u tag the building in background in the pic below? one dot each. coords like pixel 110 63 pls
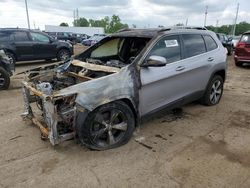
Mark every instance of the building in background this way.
pixel 81 30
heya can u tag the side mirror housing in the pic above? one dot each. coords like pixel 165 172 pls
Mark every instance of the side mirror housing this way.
pixel 155 61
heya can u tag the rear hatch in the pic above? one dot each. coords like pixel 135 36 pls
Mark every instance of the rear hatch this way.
pixel 243 47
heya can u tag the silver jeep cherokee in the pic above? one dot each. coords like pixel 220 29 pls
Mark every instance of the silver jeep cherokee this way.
pixel 101 95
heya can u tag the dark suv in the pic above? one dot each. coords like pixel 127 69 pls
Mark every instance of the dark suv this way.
pixel 226 42
pixel 24 44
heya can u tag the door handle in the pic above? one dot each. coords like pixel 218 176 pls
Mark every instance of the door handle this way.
pixel 180 68
pixel 210 59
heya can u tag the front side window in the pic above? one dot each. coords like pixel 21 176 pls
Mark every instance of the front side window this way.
pixel 210 43
pixel 168 47
pixel 39 37
pixel 193 44
pixel 21 36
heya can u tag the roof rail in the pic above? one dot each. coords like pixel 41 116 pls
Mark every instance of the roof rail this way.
pixel 183 27
pixel 125 29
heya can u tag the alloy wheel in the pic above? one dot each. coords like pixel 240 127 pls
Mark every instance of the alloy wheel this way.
pixel 109 127
pixel 216 92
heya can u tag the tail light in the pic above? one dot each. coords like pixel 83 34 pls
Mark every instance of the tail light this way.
pixel 241 45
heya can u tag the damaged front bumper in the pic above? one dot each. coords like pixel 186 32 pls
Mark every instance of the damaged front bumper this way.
pixel 49 121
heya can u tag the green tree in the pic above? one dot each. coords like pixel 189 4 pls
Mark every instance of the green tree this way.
pixel 179 24
pixel 64 24
pixel 115 24
pixel 228 29
pixel 81 22
pixel 100 23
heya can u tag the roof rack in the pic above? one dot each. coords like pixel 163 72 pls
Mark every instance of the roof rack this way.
pixel 125 29
pixel 183 27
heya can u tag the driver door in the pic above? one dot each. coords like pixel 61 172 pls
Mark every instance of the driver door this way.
pixel 165 85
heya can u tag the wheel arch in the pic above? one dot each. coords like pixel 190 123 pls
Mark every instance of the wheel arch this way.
pixel 127 101
pixel 221 73
pixel 62 48
pixel 12 52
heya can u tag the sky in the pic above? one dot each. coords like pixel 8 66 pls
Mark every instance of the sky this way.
pixel 142 13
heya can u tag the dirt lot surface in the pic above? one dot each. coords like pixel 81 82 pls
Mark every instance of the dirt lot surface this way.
pixel 195 146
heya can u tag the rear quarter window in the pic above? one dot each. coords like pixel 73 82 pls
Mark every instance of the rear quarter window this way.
pixel 210 43
pixel 20 36
pixel 193 44
pixel 4 36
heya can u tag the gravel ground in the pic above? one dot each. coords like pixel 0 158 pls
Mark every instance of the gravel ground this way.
pixel 194 146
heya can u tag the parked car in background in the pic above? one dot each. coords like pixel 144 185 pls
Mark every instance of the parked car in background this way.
pixel 80 37
pixel 242 50
pixel 64 36
pixel 226 42
pixel 97 39
pixel 103 93
pixel 92 40
pixel 6 69
pixel 24 44
pixel 235 40
pixel 102 35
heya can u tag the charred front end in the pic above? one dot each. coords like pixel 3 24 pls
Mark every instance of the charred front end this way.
pixel 45 103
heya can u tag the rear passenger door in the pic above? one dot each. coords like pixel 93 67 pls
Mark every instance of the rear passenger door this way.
pixel 182 79
pixel 197 62
pixel 23 45
pixel 43 47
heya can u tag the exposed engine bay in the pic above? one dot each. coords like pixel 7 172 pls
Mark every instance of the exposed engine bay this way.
pixel 45 85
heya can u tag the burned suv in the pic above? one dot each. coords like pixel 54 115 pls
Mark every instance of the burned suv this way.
pixel 101 95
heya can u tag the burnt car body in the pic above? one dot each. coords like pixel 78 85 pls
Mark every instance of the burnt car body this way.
pixel 6 70
pixel 101 95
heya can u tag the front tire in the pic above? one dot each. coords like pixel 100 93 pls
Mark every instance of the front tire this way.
pixel 63 54
pixel 109 126
pixel 213 92
pixel 4 79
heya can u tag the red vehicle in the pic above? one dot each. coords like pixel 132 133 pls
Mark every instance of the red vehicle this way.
pixel 242 50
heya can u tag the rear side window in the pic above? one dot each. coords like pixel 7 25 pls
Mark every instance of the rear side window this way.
pixel 245 38
pixel 168 47
pixel 4 36
pixel 210 43
pixel 20 36
pixel 193 44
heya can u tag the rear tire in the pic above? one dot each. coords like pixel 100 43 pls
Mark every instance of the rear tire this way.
pixel 238 64
pixel 108 126
pixel 229 51
pixel 4 79
pixel 213 92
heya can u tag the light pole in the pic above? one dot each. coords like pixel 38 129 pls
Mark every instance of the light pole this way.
pixel 236 17
pixel 27 13
pixel 205 19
